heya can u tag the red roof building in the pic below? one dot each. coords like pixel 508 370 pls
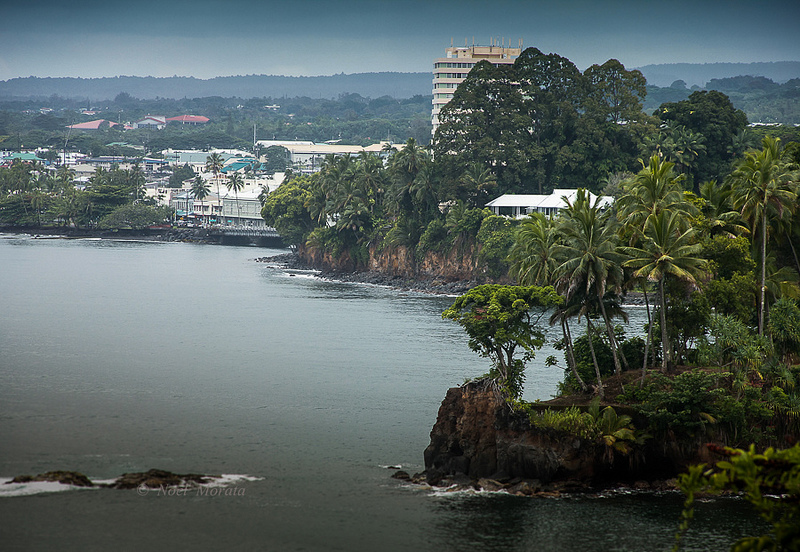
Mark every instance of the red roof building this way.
pixel 189 120
pixel 93 125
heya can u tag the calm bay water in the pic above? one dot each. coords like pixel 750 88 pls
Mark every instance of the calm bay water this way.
pixel 125 356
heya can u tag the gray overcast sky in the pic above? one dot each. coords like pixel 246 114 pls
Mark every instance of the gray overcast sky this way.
pixel 204 38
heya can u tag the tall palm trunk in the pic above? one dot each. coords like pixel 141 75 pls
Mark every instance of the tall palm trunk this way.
pixel 763 272
pixel 612 340
pixel 590 334
pixel 571 353
pixel 666 349
pixel 649 335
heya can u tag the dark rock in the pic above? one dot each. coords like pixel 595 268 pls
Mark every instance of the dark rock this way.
pixel 154 479
pixel 419 478
pixel 433 476
pixel 503 478
pixel 490 485
pixel 464 436
pixel 525 487
pixel 400 474
pixel 64 477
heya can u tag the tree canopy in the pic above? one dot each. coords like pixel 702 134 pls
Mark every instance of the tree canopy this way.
pixel 502 324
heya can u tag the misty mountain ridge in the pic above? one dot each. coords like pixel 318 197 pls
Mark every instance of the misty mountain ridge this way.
pixel 371 85
pixel 701 74
pixel 375 85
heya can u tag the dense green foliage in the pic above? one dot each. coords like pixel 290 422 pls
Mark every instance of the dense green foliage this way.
pixel 351 118
pixel 769 481
pixel 34 196
pixel 136 216
pixel 762 99
pixel 502 324
pixel 541 124
pixel 616 432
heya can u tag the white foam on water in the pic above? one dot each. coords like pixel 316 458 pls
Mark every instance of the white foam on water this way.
pixel 451 491
pixel 227 479
pixel 8 489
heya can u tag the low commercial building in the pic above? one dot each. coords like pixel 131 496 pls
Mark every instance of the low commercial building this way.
pixel 307 156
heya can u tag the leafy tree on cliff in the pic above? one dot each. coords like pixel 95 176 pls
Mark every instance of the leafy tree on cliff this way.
pixel 285 210
pixel 501 321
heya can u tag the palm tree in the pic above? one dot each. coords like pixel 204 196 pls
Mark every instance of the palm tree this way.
pixel 533 255
pixel 370 178
pixel 655 188
pixel 236 183
pixel 200 190
pixel 479 182
pixel 719 218
pixel 214 165
pixel 65 177
pixel 665 250
pixel 592 264
pixel 762 189
pixel 404 167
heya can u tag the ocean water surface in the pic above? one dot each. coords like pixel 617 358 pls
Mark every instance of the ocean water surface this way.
pixel 124 356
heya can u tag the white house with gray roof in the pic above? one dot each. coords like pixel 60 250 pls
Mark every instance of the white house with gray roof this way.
pixel 522 205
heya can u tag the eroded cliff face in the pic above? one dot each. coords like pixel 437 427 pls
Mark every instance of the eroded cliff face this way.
pixel 458 265
pixel 477 435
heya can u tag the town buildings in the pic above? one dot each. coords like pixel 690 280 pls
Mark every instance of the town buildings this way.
pixel 307 157
pixel 451 70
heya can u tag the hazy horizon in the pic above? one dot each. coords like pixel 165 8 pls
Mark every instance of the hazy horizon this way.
pixel 206 39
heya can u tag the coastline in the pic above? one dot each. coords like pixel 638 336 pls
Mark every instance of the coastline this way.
pixel 292 261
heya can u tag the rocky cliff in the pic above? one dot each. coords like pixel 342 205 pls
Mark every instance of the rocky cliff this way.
pixel 399 263
pixel 478 436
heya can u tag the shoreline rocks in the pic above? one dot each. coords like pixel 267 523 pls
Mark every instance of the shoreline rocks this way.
pixel 151 479
pixel 292 261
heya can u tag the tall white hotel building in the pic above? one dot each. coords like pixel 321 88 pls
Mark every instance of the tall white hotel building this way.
pixel 450 71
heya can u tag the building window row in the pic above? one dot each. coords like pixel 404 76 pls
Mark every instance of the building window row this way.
pixel 450 75
pixel 449 65
pixel 444 85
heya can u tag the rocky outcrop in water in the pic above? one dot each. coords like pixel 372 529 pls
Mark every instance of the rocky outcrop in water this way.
pixel 477 437
pixel 152 479
pixel 64 477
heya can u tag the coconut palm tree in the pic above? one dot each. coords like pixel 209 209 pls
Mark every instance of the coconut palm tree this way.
pixel 214 164
pixel 763 190
pixel 370 178
pixel 533 255
pixel 591 262
pixel 200 190
pixel 478 181
pixel 665 249
pixel 236 183
pixel 655 188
